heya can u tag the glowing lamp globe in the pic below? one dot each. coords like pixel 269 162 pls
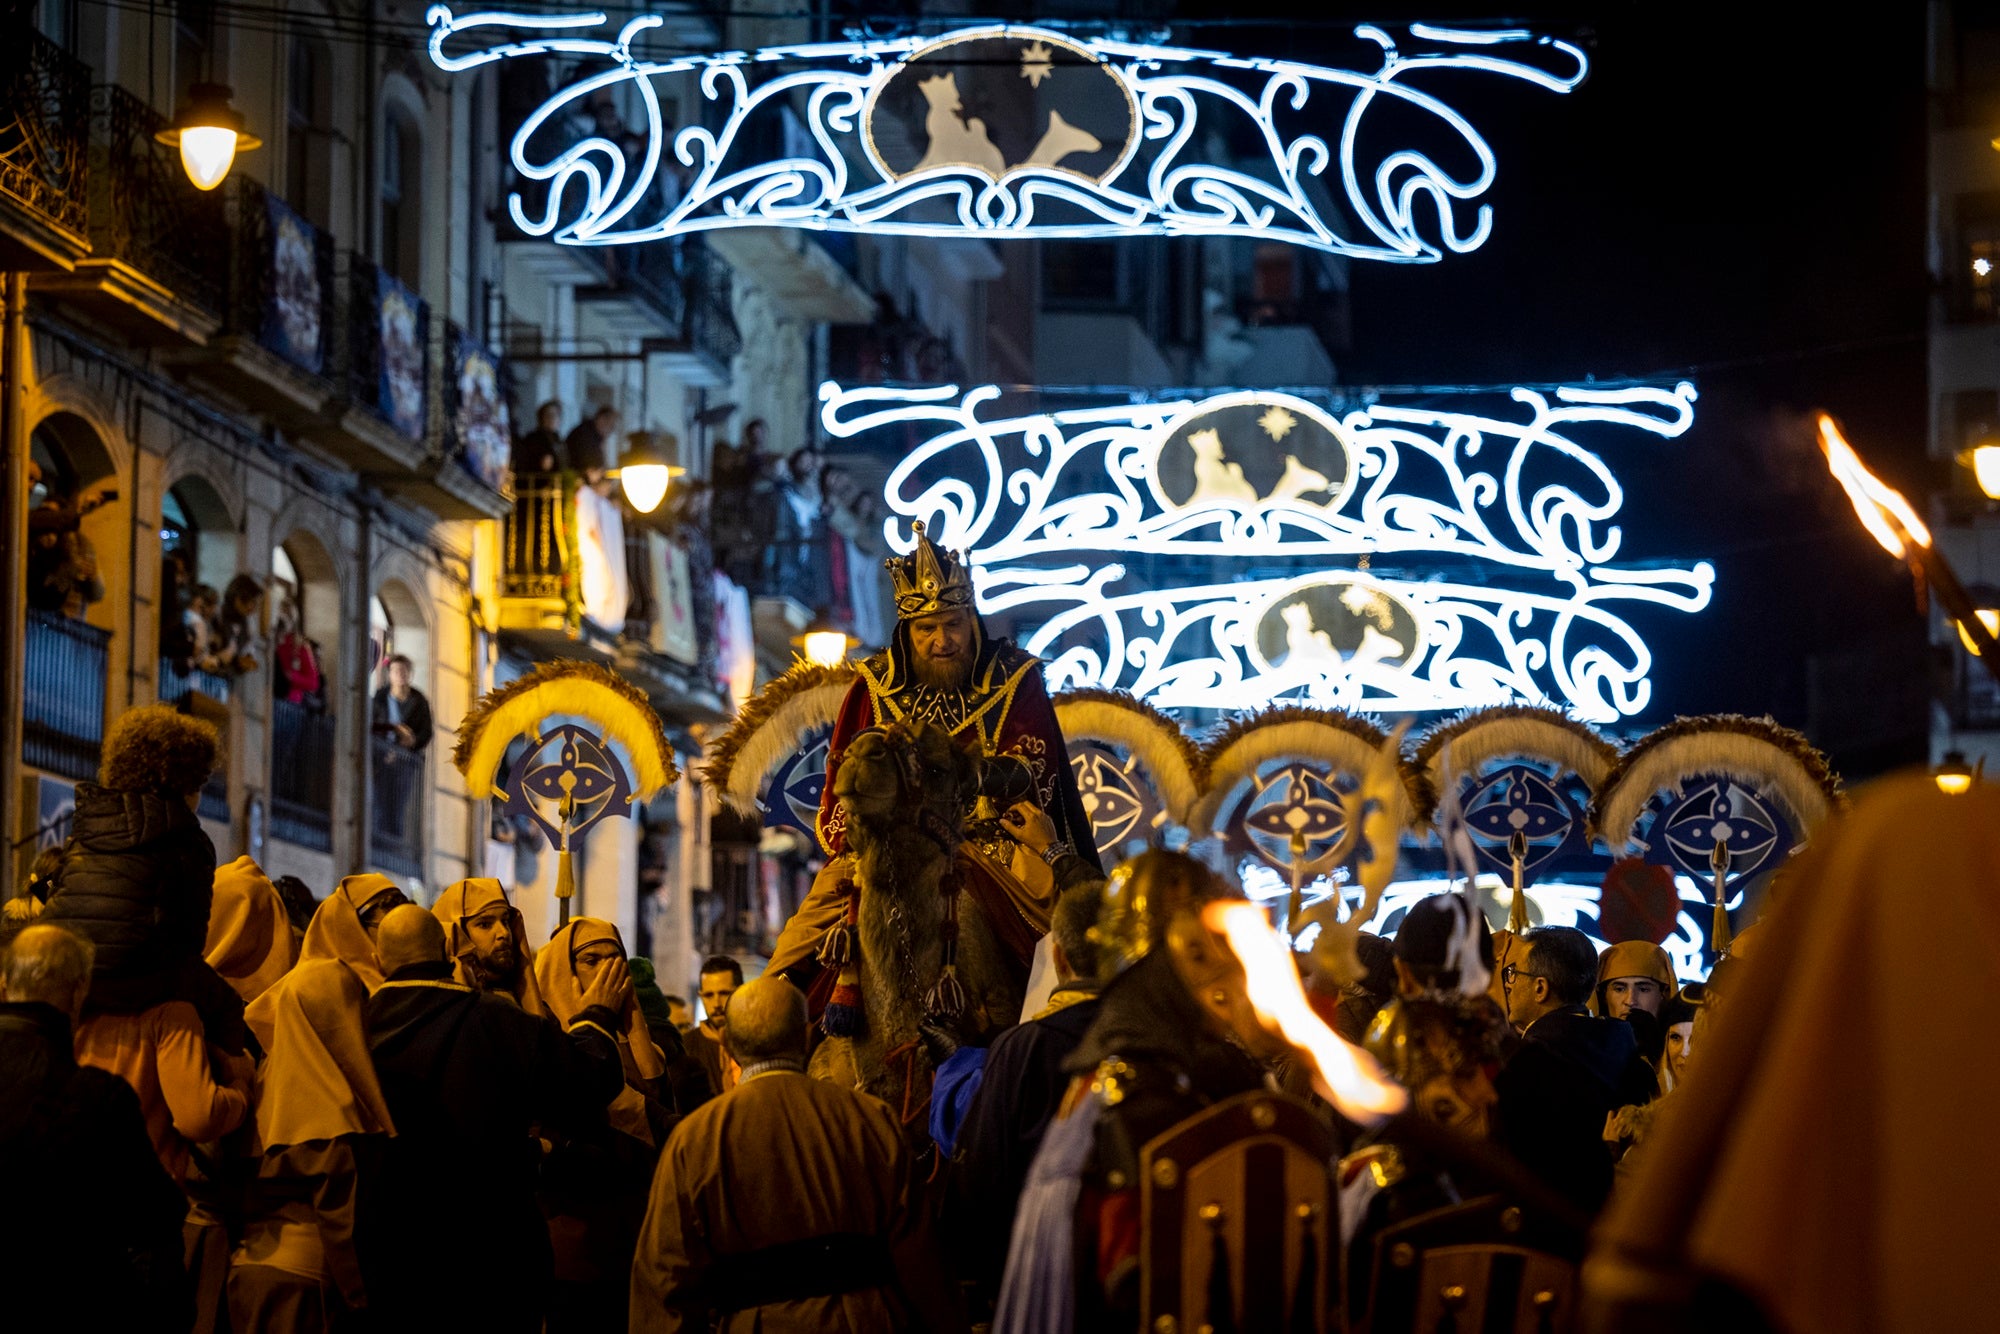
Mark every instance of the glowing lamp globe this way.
pixel 209 133
pixel 824 643
pixel 644 472
pixel 1986 469
pixel 1954 776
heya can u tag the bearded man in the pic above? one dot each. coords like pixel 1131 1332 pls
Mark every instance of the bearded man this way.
pixel 489 941
pixel 942 667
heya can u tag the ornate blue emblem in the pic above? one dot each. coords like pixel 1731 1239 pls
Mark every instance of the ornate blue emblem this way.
pixel 1293 800
pixel 1713 812
pixel 571 774
pixel 1519 799
pixel 792 793
pixel 1121 804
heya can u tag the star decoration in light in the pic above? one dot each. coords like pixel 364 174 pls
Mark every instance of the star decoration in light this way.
pixel 1036 64
pixel 1277 422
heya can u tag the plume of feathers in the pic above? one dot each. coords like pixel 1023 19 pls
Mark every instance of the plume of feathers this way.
pixel 559 688
pixel 1515 731
pixel 1337 741
pixel 1170 760
pixel 767 729
pixel 1756 752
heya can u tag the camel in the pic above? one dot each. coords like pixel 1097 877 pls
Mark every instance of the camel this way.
pixel 906 789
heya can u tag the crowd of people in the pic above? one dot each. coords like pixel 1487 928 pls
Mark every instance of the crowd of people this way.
pixel 229 1107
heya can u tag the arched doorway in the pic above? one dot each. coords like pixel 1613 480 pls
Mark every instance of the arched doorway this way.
pixel 67 633
pixel 402 727
pixel 306 622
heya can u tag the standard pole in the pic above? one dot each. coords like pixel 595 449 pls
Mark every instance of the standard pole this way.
pixel 14 452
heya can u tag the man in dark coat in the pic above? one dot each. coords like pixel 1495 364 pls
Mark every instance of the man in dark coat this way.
pixel 589 445
pixel 469 1077
pixel 1022 1085
pixel 1572 1070
pixel 105 1247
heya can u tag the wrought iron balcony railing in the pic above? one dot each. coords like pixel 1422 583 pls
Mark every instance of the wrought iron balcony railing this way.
pixel 144 212
pixel 62 706
pixel 395 831
pixel 44 130
pixel 302 770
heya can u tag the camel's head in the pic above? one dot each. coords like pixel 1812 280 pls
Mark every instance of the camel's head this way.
pixel 911 777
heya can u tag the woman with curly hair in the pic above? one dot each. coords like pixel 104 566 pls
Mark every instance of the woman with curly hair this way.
pixel 137 873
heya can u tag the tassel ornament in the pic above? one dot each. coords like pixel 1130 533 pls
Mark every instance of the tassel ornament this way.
pixel 947 999
pixel 843 1014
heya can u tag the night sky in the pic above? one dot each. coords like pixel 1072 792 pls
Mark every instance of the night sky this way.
pixel 1736 193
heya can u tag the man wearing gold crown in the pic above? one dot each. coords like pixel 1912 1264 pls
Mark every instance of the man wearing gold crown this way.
pixel 942 667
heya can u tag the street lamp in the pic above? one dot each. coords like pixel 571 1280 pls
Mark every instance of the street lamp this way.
pixel 824 643
pixel 1985 462
pixel 644 472
pixel 209 132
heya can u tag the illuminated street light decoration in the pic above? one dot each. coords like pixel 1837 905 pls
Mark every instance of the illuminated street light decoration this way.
pixel 1007 131
pixel 1440 560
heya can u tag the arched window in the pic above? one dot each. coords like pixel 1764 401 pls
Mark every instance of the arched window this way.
pixel 197 563
pixel 403 730
pixel 66 644
pixel 402 187
pixel 305 626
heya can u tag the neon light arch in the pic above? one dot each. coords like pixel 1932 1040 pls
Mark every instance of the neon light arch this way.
pixel 1469 562
pixel 1178 96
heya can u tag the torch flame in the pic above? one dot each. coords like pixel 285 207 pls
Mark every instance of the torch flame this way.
pixel 1345 1075
pixel 1884 513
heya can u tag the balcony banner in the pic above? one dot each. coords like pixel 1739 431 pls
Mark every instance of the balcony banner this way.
pixel 399 327
pixel 296 303
pixel 735 642
pixel 1006 131
pixel 485 438
pixel 600 549
pixel 673 620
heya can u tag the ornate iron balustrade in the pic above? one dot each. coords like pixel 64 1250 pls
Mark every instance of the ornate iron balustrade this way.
pixel 45 130
pixel 302 768
pixel 396 831
pixel 538 539
pixel 281 288
pixel 142 209
pixel 62 708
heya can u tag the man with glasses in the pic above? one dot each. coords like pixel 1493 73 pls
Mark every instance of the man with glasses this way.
pixel 1572 1070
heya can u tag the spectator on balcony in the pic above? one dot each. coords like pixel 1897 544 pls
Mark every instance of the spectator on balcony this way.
pixel 240 626
pixel 542 449
pixel 137 875
pixel 176 593
pixel 402 714
pixel 297 658
pixel 589 445
pixel 853 515
pixel 62 562
pixel 198 625
pixel 795 567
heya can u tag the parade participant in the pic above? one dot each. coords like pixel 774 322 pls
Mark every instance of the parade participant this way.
pixel 323 1122
pixel 344 925
pixel 1677 1017
pixel 467 1076
pixel 1633 974
pixel 594 1184
pixel 942 667
pixel 1169 1040
pixel 249 935
pixel 104 1248
pixel 787 1205
pixel 1571 1071
pixel 720 977
pixel 1023 1083
pixel 137 873
pixel 489 941
pixel 1824 1169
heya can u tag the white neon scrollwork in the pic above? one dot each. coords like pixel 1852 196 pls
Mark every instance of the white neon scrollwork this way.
pixel 1313 126
pixel 1394 558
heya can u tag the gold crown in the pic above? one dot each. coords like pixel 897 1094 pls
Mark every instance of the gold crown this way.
pixel 929 579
